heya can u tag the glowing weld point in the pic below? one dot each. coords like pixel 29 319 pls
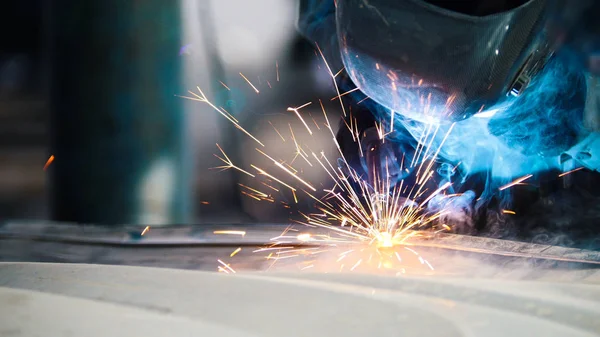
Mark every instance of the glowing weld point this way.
pixel 48 162
pixel 385 240
pixel 241 233
pixel 304 237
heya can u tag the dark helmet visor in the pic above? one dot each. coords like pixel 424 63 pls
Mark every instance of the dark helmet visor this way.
pixel 431 63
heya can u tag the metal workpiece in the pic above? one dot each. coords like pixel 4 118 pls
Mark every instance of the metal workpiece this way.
pixel 117 126
pixel 199 247
pixel 105 276
pixel 94 300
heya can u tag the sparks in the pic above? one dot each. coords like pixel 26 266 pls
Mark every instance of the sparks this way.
pixel 239 249
pixel 569 172
pixel 333 78
pixel 225 232
pixel 223 84
pixel 226 268
pixel 145 230
pixel 376 218
pixel 248 81
pixel 344 94
pixel 229 163
pixel 362 100
pixel 202 98
pixel 295 110
pixel 516 182
pixel 48 162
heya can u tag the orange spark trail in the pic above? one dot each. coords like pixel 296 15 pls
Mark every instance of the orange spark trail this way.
pixel 362 100
pixel 516 182
pixel 569 172
pixel 48 162
pixel 339 72
pixel 344 94
pixel 235 252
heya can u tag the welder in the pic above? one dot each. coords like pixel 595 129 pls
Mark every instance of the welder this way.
pixel 481 66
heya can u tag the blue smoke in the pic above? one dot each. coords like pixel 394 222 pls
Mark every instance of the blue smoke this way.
pixel 523 135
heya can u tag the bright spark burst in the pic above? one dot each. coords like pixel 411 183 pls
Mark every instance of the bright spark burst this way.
pixel 370 221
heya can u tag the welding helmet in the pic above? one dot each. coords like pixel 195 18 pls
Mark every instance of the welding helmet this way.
pixel 435 61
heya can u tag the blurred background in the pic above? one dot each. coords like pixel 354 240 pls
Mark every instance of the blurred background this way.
pixel 96 84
